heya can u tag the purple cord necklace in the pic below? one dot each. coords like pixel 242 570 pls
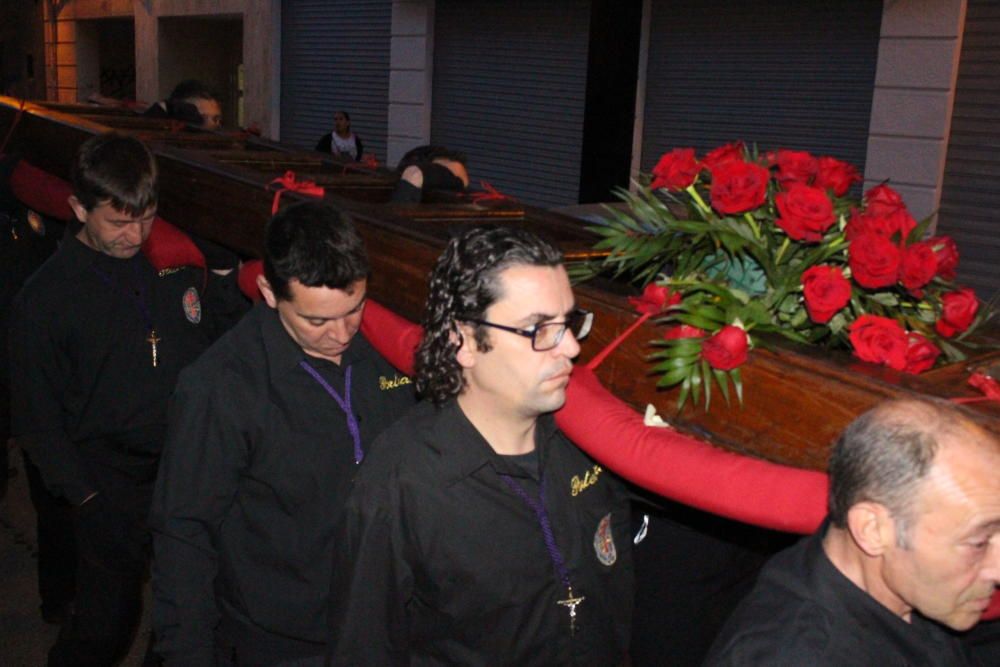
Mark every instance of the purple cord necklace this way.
pixel 571 602
pixel 344 403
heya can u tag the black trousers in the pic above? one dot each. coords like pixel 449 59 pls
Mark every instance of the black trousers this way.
pixel 113 545
pixel 56 543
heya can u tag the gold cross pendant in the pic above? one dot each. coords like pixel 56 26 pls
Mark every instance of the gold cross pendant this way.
pixel 571 603
pixel 153 339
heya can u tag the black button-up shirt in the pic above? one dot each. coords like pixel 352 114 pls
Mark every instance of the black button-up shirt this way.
pixel 84 388
pixel 256 470
pixel 442 563
pixel 804 611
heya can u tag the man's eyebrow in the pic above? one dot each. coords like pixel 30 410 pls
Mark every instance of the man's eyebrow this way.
pixel 991 525
pixel 307 316
pixel 538 318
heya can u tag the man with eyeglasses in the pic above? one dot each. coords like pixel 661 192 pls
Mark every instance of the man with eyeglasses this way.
pixel 476 532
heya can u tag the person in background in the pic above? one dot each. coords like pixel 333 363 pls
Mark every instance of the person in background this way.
pixel 190 101
pixel 98 337
pixel 427 169
pixel 266 433
pixel 341 141
pixel 909 552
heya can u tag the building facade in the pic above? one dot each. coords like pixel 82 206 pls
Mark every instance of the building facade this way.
pixel 558 102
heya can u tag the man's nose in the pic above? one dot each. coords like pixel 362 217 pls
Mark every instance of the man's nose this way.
pixel 339 330
pixel 133 233
pixel 569 345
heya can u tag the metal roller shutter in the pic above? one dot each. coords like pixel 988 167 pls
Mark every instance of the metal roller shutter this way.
pixel 509 91
pixel 782 73
pixel 970 197
pixel 335 55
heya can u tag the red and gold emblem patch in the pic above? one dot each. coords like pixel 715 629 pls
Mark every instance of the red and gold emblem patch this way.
pixel 192 305
pixel 604 542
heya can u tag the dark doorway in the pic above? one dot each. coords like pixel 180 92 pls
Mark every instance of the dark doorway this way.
pixel 612 72
pixel 209 49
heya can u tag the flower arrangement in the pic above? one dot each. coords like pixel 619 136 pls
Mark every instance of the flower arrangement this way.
pixel 737 244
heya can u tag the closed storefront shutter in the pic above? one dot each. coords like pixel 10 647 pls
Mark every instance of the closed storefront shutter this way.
pixel 509 91
pixel 335 56
pixel 970 196
pixel 793 74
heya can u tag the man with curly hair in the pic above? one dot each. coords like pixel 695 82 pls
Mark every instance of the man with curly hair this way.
pixel 476 532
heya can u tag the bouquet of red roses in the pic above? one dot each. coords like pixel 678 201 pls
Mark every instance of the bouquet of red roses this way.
pixel 735 244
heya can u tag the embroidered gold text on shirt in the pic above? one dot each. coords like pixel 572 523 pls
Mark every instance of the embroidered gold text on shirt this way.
pixel 396 381
pixel 577 485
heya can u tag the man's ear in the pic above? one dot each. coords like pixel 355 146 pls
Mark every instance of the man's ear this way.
pixel 266 291
pixel 464 336
pixel 78 209
pixel 871 527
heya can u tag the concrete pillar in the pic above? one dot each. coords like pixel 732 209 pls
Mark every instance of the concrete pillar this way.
pixel 411 63
pixel 919 49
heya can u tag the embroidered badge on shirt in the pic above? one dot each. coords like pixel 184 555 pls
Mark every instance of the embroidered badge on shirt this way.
pixel 604 542
pixel 192 305
pixel 385 383
pixel 577 485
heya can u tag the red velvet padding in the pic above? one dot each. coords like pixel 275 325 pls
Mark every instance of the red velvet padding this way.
pixel 41 191
pixel 166 248
pixel 396 338
pixel 247 279
pixel 687 470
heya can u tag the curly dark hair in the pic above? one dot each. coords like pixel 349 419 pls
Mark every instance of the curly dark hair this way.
pixel 464 284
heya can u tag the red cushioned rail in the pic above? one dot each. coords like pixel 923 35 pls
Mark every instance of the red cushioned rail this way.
pixel 661 460
pixel 166 247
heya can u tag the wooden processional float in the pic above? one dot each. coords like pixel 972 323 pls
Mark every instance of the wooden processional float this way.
pixel 221 186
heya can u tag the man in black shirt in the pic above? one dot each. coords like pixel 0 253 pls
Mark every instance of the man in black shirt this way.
pixel 477 534
pixel 97 339
pixel 911 544
pixel 266 431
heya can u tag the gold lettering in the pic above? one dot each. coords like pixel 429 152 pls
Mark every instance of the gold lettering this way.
pixel 578 485
pixel 397 381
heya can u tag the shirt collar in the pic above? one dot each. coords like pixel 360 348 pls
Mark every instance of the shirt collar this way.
pixel 455 437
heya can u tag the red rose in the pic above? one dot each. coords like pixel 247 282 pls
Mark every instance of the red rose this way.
pixel 884 224
pixel 727 349
pixel 676 170
pixel 826 292
pixel 729 153
pixel 805 213
pixel 958 309
pixel 683 331
pixel 874 261
pixel 917 266
pixel 921 353
pixel 655 298
pixel 795 167
pixel 832 174
pixel 883 200
pixel 947 256
pixel 738 187
pixel 879 340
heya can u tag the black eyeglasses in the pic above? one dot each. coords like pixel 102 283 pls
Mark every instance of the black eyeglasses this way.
pixel 546 336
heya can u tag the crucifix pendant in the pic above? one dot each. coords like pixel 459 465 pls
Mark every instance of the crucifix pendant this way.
pixel 153 339
pixel 571 603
